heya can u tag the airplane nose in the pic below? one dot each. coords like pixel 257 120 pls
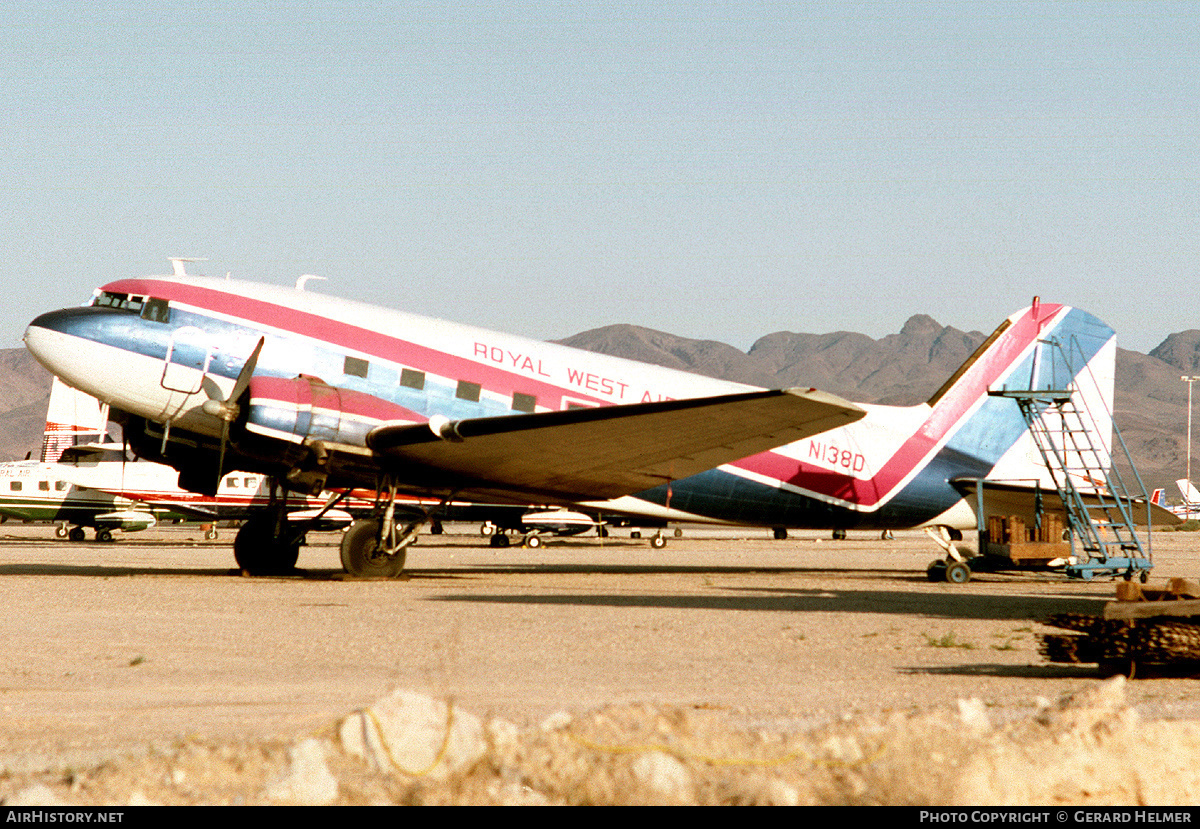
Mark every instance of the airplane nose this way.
pixel 52 337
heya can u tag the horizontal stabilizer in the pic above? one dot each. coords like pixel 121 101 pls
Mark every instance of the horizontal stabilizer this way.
pixel 1018 499
pixel 595 453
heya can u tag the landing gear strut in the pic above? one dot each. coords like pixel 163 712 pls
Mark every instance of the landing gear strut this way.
pixel 368 553
pixel 953 568
pixel 376 547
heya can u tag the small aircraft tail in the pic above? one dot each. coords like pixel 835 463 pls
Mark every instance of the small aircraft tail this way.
pixel 1158 498
pixel 72 418
pixel 1188 491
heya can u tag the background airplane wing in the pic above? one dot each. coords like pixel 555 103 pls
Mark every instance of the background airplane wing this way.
pixel 603 452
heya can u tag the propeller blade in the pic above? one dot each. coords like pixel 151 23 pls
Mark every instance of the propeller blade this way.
pixel 228 408
pixel 243 378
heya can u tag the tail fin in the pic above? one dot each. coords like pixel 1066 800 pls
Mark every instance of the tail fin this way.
pixel 72 418
pixel 1043 347
pixel 1188 491
pixel 1158 498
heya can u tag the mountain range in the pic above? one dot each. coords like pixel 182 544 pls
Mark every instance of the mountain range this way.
pixel 906 368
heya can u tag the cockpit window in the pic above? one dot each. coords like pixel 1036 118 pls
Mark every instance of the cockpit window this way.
pixel 156 310
pixel 123 302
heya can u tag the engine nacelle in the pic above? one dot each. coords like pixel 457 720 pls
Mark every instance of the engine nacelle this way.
pixel 128 520
pixel 309 409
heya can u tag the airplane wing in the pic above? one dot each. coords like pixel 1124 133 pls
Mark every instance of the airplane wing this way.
pixel 1019 498
pixel 605 452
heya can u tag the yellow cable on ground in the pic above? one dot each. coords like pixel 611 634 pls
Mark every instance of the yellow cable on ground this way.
pixel 437 759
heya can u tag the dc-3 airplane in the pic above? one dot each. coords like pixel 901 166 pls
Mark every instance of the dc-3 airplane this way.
pixel 321 393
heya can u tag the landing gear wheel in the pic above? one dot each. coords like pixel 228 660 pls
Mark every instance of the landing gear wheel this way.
pixel 361 555
pixel 533 541
pixel 958 572
pixel 104 535
pixel 487 528
pixel 499 539
pixel 258 552
pixel 76 534
pixel 839 535
pixel 210 533
pixel 679 532
pixel 60 531
pixel 936 571
pixel 658 541
pixel 780 533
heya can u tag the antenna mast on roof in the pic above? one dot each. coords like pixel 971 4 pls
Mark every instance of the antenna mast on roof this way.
pixel 179 264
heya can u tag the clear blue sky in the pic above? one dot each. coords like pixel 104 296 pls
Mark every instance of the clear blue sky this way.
pixel 715 170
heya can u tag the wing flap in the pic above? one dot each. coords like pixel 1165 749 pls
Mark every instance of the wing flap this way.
pixel 604 452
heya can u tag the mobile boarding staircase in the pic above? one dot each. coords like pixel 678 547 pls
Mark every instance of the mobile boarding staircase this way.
pixel 1099 507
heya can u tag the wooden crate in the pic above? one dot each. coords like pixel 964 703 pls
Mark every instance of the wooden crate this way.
pixel 1009 537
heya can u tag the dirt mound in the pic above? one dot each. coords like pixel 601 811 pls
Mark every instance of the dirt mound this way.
pixel 1088 748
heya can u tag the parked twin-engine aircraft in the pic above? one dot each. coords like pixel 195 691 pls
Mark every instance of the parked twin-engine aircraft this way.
pixel 323 393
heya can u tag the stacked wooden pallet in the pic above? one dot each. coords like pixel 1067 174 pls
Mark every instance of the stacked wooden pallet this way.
pixel 1147 630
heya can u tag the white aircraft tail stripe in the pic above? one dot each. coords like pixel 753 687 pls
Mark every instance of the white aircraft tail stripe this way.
pixel 71 418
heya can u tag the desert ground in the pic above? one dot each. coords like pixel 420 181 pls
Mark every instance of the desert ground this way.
pixel 149 670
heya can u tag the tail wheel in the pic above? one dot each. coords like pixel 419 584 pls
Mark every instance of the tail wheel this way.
pixel 958 573
pixel 364 556
pixel 658 541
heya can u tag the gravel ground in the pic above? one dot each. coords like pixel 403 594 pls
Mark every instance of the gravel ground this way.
pixel 153 650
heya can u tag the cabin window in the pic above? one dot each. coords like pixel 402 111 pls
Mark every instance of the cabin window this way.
pixel 354 367
pixel 468 391
pixel 60 486
pixel 524 402
pixel 231 482
pixel 412 379
pixel 44 486
pixel 14 486
pixel 156 310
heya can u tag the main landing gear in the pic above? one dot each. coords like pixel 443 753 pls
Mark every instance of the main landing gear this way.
pixel 103 534
pixel 376 547
pixel 267 543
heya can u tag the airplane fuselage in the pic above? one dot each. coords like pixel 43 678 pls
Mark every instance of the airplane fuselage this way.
pixel 159 348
